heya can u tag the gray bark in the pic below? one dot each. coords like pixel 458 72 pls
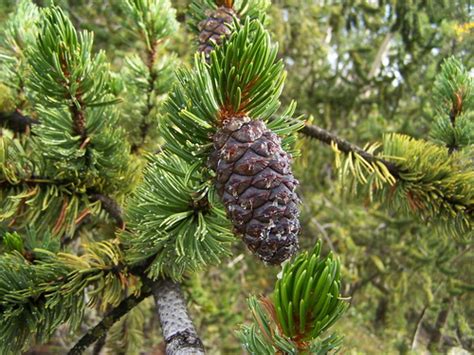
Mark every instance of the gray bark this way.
pixel 178 330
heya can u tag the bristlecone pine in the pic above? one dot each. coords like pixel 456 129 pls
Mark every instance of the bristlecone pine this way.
pixel 214 29
pixel 257 187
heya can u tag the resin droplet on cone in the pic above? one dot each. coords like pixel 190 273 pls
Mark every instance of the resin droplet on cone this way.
pixel 257 187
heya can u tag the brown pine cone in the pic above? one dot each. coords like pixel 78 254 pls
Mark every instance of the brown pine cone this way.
pixel 257 187
pixel 214 29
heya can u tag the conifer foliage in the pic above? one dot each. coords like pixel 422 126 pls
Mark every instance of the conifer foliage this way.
pixel 66 161
pixel 431 180
pixel 147 75
pixel 306 301
pixel 77 160
pixel 219 165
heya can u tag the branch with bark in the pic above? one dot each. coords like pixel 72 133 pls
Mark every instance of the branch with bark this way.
pixel 345 146
pixel 111 207
pixel 179 333
pixel 178 330
pixel 16 121
pixel 100 330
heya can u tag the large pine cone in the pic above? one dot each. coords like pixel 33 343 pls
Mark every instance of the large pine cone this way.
pixel 257 187
pixel 214 29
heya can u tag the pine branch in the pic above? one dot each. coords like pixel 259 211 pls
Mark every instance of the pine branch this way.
pixel 152 21
pixel 108 204
pixel 99 345
pixel 346 146
pixel 153 76
pixel 403 172
pixel 97 332
pixel 178 330
pixel 16 122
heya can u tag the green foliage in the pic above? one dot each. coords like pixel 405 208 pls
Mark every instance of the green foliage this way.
pixel 308 291
pixel 306 302
pixel 147 76
pixel 247 77
pixel 73 72
pixel 78 132
pixel 29 241
pixel 155 19
pixel 28 199
pixel 453 96
pixel 432 184
pixel 229 88
pixel 24 312
pixel 176 220
pixel 145 89
pixel 19 33
pixel 41 290
pixel 78 148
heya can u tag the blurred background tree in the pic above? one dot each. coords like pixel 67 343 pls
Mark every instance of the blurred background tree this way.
pixel 360 69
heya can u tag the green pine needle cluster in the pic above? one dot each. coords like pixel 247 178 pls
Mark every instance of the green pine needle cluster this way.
pixel 453 97
pixel 148 75
pixel 27 312
pixel 432 179
pixel 29 198
pixel 229 88
pixel 154 19
pixel 78 133
pixel 306 302
pixel 41 289
pixel 76 148
pixel 432 184
pixel 176 220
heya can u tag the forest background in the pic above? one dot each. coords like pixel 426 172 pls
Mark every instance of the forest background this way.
pixel 360 69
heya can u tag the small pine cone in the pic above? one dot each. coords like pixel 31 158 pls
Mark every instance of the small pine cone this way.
pixel 257 187
pixel 214 29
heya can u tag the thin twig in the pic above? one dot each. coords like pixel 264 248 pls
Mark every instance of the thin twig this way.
pixel 346 146
pixel 418 327
pixel 106 323
pixel 16 121
pixel 99 345
pixel 111 207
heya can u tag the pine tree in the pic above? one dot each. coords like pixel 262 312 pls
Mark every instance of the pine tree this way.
pixel 75 165
pixel 217 166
